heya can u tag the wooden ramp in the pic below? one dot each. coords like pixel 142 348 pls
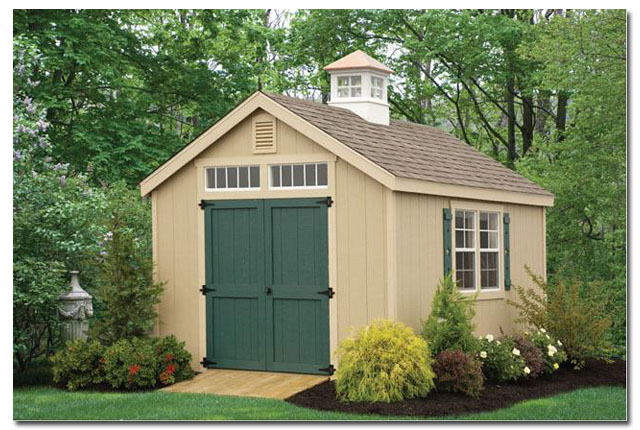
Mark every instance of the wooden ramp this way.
pixel 228 382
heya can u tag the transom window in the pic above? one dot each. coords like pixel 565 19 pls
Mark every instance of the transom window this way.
pixel 232 178
pixel 377 87
pixel 304 175
pixel 349 86
pixel 477 244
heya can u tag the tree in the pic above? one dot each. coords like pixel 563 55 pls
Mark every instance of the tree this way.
pixel 125 89
pixel 54 209
pixel 584 54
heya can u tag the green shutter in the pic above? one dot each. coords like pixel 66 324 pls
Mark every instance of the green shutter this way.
pixel 507 262
pixel 446 229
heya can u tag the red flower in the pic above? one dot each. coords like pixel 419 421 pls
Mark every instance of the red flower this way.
pixel 171 368
pixel 168 357
pixel 134 369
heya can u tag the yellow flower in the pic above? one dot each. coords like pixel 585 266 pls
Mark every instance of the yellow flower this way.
pixel 555 366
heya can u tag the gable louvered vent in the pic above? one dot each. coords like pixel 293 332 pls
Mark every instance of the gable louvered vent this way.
pixel 264 134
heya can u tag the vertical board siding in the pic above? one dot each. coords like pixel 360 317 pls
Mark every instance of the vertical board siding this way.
pixel 361 249
pixel 420 259
pixel 176 261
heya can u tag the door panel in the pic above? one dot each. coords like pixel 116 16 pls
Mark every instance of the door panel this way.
pixel 296 270
pixel 266 263
pixel 235 279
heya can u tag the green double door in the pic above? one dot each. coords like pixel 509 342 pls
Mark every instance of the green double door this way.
pixel 267 291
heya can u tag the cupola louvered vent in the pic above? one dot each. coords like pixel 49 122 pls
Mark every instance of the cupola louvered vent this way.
pixel 264 134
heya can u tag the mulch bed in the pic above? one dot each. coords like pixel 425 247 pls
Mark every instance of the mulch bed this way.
pixel 495 396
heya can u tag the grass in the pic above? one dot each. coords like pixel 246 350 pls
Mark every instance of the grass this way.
pixel 45 403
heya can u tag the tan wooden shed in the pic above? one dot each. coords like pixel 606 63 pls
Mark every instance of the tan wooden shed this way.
pixel 289 223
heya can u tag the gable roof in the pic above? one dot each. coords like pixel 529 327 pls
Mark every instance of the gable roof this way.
pixel 410 150
pixel 358 60
pixel 402 156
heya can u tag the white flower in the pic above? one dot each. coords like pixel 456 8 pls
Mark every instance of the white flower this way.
pixel 489 338
pixel 483 354
pixel 547 336
pixel 542 330
pixel 552 348
pixel 559 343
pixel 497 342
pixel 550 353
pixel 526 370
pixel 515 351
pixel 441 320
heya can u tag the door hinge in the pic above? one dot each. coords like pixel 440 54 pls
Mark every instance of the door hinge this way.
pixel 327 201
pixel 204 290
pixel 328 292
pixel 202 204
pixel 330 370
pixel 207 363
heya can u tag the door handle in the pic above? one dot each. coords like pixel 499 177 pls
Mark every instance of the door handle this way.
pixel 267 290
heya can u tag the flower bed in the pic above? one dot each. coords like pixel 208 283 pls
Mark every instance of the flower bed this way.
pixel 495 396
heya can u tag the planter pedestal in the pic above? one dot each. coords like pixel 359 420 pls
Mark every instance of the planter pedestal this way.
pixel 76 307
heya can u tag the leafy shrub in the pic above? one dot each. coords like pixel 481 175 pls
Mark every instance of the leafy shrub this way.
pixel 551 350
pixel 384 362
pixel 126 290
pixel 501 360
pixel 80 364
pixel 532 355
pixel 131 364
pixel 449 325
pixel 456 371
pixel 54 219
pixel 577 316
pixel 174 361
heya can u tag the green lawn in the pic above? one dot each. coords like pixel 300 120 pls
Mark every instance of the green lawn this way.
pixel 38 403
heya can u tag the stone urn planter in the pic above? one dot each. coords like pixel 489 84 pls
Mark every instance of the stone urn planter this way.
pixel 76 307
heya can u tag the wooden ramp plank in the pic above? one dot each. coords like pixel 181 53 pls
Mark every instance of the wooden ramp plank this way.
pixel 227 382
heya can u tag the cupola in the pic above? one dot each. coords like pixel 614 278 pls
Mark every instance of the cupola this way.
pixel 359 83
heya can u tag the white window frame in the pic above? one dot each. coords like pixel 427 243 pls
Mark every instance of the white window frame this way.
pixel 374 78
pixel 226 172
pixel 304 170
pixel 487 250
pixel 478 250
pixel 350 86
pixel 474 249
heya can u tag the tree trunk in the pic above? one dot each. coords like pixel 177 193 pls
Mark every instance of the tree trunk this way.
pixel 561 114
pixel 511 125
pixel 544 101
pixel 527 123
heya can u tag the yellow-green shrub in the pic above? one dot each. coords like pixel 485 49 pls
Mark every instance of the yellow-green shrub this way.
pixel 384 362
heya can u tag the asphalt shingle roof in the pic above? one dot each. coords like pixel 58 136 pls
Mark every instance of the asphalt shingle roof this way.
pixel 410 150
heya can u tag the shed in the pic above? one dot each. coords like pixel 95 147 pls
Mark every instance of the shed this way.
pixel 289 222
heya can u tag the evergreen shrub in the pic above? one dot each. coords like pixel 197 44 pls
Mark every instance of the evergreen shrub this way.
pixel 384 362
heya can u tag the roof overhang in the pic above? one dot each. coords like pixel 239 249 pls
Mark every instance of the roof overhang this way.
pixel 259 100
